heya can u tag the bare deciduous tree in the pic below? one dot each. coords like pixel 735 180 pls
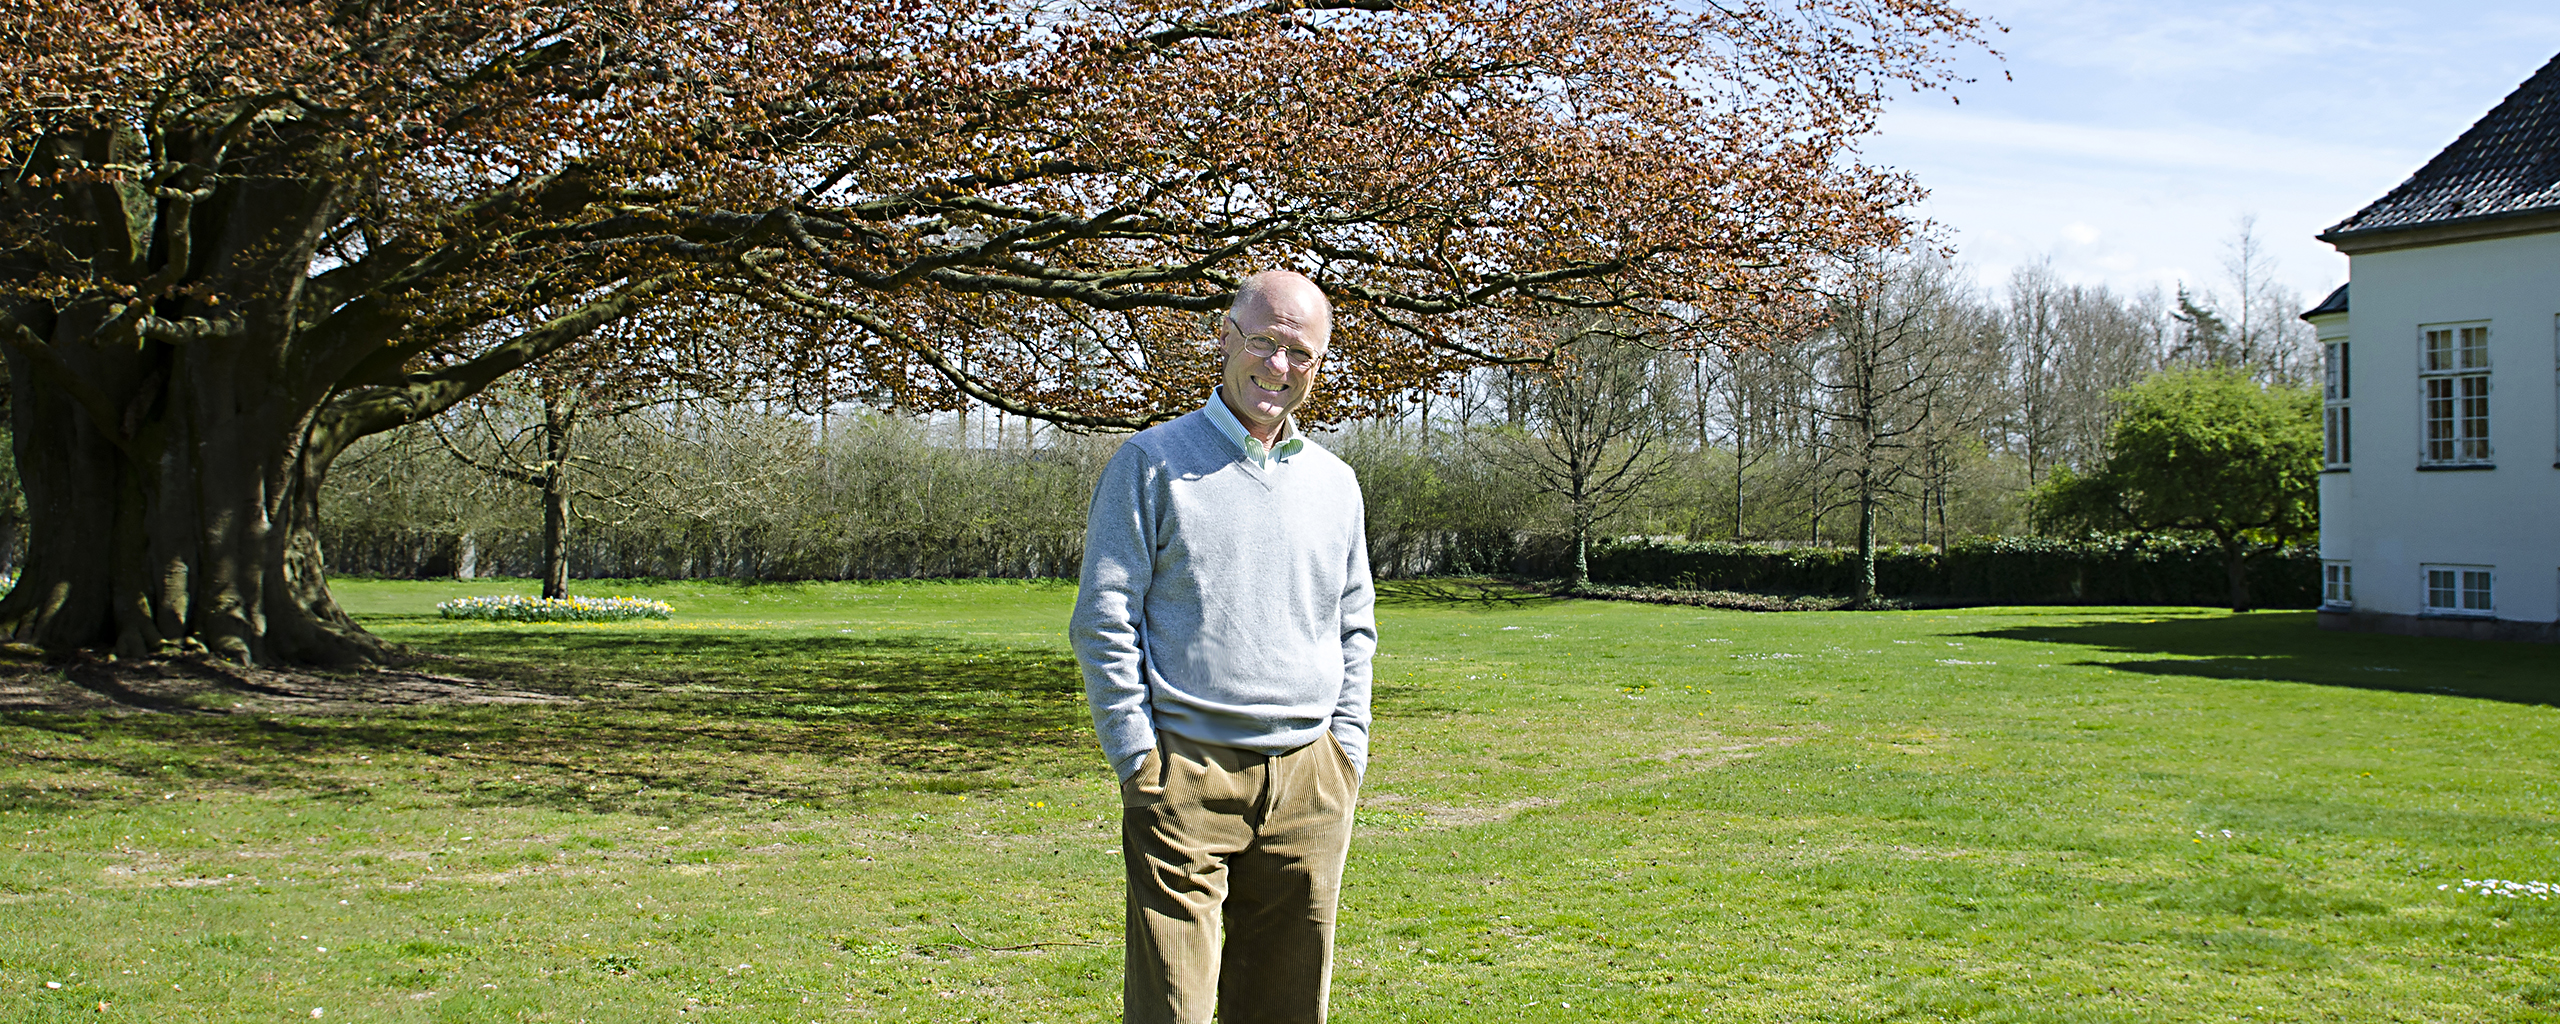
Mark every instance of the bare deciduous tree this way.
pixel 1600 425
pixel 2070 346
pixel 2253 329
pixel 1903 340
pixel 2269 338
pixel 606 464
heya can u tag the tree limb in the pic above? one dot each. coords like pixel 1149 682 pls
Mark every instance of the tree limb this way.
pixel 102 410
pixel 967 384
pixel 370 410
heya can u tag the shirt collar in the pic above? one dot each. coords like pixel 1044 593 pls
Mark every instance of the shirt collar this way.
pixel 1291 441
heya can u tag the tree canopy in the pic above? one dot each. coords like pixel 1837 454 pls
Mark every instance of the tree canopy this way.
pixel 241 235
pixel 2205 450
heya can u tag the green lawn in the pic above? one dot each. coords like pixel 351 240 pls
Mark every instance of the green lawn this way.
pixel 852 801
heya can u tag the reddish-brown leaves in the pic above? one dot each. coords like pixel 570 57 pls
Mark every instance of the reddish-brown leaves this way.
pixel 1024 201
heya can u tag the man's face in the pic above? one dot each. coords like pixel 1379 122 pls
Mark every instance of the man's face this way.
pixel 1262 389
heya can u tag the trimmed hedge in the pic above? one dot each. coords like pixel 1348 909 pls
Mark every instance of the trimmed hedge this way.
pixel 1995 570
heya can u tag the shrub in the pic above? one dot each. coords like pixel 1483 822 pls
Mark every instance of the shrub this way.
pixel 886 497
pixel 556 609
pixel 2119 569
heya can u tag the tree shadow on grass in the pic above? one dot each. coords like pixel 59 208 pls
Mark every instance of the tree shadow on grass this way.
pixel 636 720
pixel 1460 592
pixel 2291 647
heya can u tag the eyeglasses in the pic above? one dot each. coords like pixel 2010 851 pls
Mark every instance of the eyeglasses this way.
pixel 1262 346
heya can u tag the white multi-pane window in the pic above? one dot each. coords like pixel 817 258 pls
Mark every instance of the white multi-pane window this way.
pixel 2460 590
pixel 2337 436
pixel 2337 584
pixel 2453 377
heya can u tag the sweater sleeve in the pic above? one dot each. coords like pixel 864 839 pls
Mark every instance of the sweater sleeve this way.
pixel 1111 601
pixel 1350 722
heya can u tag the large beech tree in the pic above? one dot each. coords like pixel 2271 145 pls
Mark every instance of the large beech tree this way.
pixel 236 237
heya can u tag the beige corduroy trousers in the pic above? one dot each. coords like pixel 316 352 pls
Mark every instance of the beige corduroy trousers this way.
pixel 1235 866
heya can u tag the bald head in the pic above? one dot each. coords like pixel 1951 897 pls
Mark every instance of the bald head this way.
pixel 1284 298
pixel 1285 316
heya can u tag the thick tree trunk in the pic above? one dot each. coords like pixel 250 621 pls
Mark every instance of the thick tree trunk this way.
pixel 171 459
pixel 555 538
pixel 558 416
pixel 184 365
pixel 194 530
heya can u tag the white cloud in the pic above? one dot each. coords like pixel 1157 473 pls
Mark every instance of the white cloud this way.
pixel 2195 148
pixel 2135 134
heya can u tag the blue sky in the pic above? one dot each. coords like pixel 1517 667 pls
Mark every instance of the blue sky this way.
pixel 2133 135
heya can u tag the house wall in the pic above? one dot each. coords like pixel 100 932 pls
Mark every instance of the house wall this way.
pixel 2385 516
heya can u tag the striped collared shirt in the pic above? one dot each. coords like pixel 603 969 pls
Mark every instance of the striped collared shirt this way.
pixel 1291 442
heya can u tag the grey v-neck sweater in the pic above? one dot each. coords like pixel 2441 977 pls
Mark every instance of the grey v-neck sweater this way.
pixel 1224 602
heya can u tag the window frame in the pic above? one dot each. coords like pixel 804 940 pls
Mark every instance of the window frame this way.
pixel 2337 585
pixel 2460 590
pixel 2460 384
pixel 2337 389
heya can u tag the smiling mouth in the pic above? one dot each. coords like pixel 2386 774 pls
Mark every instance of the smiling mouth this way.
pixel 1259 385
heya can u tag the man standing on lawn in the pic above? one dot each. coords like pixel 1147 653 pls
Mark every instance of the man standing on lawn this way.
pixel 1225 625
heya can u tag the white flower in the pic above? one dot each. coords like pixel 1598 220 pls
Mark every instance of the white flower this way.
pixel 2513 890
pixel 511 608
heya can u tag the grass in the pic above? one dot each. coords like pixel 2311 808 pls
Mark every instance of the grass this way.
pixel 844 801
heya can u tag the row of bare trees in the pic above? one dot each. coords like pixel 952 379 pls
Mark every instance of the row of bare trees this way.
pixel 700 488
pixel 1924 411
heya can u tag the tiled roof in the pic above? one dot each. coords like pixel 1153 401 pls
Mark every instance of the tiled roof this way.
pixel 2335 303
pixel 2507 163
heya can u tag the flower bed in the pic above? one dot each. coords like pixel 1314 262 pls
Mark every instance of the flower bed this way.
pixel 556 609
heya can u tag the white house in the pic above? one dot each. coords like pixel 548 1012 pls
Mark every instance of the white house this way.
pixel 2440 510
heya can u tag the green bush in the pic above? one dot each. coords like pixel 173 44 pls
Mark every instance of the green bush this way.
pixel 2121 569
